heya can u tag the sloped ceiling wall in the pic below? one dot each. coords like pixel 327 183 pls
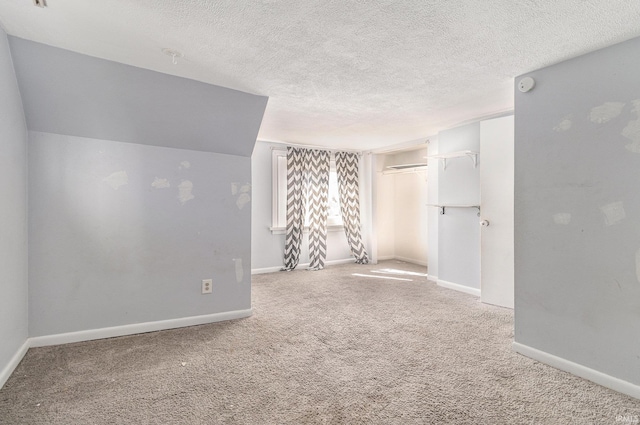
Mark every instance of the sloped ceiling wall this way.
pixel 78 95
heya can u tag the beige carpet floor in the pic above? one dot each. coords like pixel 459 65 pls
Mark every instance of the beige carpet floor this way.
pixel 322 347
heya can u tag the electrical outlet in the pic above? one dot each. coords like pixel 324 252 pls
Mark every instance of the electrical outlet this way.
pixel 207 286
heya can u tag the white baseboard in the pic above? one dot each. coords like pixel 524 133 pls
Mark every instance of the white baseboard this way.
pixel 136 328
pixel 405 259
pixel 432 277
pixel 386 257
pixel 13 363
pixel 411 260
pixel 592 375
pixel 266 270
pixel 302 266
pixel 458 287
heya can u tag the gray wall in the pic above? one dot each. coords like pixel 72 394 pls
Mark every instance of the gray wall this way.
pixel 577 211
pixel 13 213
pixel 124 233
pixel 108 249
pixel 78 95
pixel 458 229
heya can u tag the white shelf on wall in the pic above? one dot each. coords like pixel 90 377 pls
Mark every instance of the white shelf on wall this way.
pixel 459 154
pixel 444 206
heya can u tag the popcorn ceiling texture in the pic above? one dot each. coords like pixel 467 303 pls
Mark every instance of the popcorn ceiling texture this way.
pixel 357 74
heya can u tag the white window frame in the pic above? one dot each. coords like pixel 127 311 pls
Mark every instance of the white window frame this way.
pixel 279 195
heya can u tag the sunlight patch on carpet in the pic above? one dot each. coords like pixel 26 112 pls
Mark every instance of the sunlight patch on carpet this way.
pixel 382 277
pixel 400 272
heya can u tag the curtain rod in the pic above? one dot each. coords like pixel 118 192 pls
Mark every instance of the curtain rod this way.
pixel 298 145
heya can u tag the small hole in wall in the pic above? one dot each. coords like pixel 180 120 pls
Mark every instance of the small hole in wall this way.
pixel 40 3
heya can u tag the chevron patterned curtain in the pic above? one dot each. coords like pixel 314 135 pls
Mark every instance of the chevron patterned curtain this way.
pixel 307 181
pixel 318 197
pixel 296 189
pixel 349 188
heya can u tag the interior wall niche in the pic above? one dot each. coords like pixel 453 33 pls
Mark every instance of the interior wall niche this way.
pixel 401 206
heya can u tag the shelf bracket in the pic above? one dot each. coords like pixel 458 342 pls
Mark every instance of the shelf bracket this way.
pixel 474 158
pixel 444 157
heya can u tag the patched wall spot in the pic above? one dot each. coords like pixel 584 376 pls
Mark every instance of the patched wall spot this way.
pixel 562 218
pixel 632 130
pixel 243 200
pixel 563 125
pixel 117 179
pixel 159 183
pixel 185 191
pixel 606 112
pixel 239 271
pixel 613 213
pixel 242 193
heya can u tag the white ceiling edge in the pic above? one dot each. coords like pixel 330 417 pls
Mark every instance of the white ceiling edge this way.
pixel 410 145
pixel 424 141
pixel 307 146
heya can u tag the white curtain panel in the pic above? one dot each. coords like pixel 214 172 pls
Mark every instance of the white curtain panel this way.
pixel 349 190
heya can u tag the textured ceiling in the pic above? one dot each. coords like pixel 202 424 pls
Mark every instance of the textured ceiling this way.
pixel 357 74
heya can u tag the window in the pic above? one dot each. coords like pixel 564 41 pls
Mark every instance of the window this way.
pixel 279 191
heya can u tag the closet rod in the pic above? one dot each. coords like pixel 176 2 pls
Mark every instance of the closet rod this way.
pixel 442 207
